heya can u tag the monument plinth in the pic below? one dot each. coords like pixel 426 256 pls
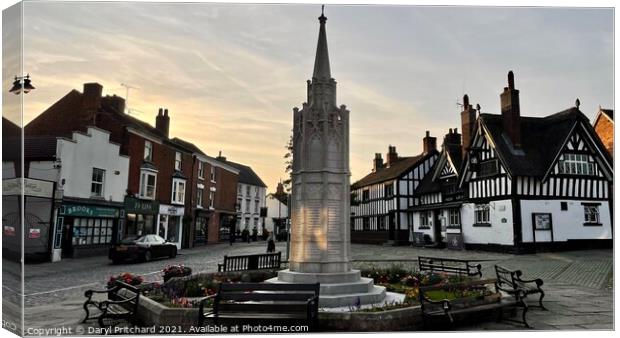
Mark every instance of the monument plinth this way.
pixel 320 197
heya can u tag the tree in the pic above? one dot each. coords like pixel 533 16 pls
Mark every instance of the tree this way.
pixel 288 162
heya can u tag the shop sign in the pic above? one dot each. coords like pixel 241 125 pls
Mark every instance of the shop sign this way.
pixel 34 233
pixel 76 210
pixel 9 230
pixel 137 206
pixel 32 187
pixel 171 210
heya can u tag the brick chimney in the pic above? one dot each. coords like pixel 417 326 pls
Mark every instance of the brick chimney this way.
pixel 91 97
pixel 115 102
pixel 377 163
pixel 392 156
pixel 162 122
pixel 452 138
pixel 468 122
pixel 429 143
pixel 220 157
pixel 511 114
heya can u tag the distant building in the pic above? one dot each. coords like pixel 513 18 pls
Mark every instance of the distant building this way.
pixel 251 193
pixel 379 213
pixel 604 127
pixel 277 210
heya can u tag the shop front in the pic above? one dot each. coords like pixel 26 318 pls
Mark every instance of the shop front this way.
pixel 88 229
pixel 141 217
pixel 169 224
pixel 201 227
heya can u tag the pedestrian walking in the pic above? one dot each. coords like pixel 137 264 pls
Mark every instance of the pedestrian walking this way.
pixel 231 237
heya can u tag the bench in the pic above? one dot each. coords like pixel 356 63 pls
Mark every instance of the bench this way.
pixel 116 306
pixel 263 304
pixel 452 309
pixel 511 280
pixel 448 265
pixel 251 262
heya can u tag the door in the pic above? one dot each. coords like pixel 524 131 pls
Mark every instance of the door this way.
pixel 437 226
pixel 392 226
pixel 67 238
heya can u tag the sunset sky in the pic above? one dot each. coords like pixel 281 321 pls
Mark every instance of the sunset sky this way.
pixel 230 75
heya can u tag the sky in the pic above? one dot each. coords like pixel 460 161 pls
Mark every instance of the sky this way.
pixel 230 74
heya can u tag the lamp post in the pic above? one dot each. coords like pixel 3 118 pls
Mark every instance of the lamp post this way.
pixel 21 84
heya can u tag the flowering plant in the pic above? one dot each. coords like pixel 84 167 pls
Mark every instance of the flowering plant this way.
pixel 176 270
pixel 126 277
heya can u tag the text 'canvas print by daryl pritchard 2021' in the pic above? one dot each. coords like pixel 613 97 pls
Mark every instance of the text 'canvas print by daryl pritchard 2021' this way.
pixel 176 168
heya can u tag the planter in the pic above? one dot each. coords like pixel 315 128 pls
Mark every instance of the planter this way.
pixel 173 275
pixel 403 319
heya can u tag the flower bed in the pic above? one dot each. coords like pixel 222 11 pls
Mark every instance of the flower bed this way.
pixel 127 278
pixel 398 280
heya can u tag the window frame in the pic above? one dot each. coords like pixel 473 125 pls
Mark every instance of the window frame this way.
pixel 482 209
pixel 178 160
pixel 199 197
pixel 143 188
pixel 454 218
pixel 211 199
pixel 212 174
pixel 148 151
pixel 178 196
pixel 576 164
pixel 201 170
pixel 101 183
pixel 424 220
pixel 589 210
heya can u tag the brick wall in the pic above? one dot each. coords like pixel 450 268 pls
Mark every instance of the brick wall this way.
pixel 605 131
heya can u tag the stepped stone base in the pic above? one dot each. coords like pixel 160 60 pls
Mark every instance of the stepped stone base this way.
pixel 337 289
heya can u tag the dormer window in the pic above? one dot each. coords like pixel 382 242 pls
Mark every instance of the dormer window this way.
pixel 576 164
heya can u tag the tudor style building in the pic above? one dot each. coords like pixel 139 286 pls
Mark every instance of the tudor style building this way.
pixel 436 213
pixel 535 182
pixel 379 212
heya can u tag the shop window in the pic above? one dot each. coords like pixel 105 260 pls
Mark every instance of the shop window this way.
pixel 201 170
pixel 147 184
pixel 90 231
pixel 177 161
pixel 178 191
pixel 96 186
pixel 148 151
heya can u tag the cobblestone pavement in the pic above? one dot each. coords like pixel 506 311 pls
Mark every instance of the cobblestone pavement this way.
pixel 578 283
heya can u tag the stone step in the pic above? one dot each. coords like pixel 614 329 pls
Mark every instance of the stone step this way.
pixel 374 296
pixel 323 278
pixel 364 285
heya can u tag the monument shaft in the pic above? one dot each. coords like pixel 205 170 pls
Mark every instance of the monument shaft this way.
pixel 320 205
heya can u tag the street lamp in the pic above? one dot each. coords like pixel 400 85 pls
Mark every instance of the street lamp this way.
pixel 18 86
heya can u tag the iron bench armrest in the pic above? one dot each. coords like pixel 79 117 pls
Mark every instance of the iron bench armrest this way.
pixel 538 281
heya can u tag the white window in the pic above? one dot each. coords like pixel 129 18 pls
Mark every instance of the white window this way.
pixel 177 161
pixel 148 151
pixel 247 206
pixel 147 184
pixel 576 164
pixel 199 194
pixel 424 216
pixel 211 199
pixel 178 191
pixel 256 207
pixel 257 191
pixel 591 214
pixel 239 190
pixel 454 217
pixel 212 174
pixel 201 170
pixel 96 187
pixel 481 214
pixel 247 190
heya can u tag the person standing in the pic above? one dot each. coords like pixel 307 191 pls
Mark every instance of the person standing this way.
pixel 271 245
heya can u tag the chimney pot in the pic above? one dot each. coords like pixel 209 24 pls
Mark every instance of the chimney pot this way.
pixel 511 80
pixel 162 122
pixel 465 101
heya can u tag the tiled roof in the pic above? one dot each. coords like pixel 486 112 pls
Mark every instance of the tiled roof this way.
pixel 394 171
pixel 246 174
pixel 608 112
pixel 541 140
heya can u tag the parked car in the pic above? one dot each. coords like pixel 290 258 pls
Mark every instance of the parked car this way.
pixel 145 247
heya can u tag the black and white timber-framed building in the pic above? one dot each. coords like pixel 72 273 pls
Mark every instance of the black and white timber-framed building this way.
pixel 379 214
pixel 535 183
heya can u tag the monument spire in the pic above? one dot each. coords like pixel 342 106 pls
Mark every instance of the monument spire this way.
pixel 321 61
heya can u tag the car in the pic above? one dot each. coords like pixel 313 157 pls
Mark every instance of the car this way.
pixel 145 248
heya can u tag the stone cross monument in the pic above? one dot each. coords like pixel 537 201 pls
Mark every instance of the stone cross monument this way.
pixel 320 202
